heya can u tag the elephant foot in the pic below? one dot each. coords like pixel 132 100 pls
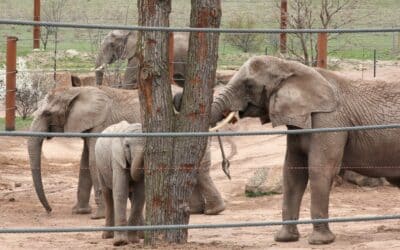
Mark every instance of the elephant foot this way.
pixel 215 209
pixel 81 209
pixel 107 235
pixel 99 214
pixel 287 233
pixel 134 237
pixel 321 235
pixel 120 239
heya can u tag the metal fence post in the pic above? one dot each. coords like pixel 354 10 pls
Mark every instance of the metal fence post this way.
pixel 36 29
pixel 283 36
pixel 322 53
pixel 11 75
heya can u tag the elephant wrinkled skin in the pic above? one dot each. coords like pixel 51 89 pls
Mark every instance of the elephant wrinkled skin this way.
pixel 91 110
pixel 120 165
pixel 292 94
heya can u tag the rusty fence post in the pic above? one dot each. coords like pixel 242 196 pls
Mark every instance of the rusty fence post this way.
pixel 36 28
pixel 322 53
pixel 11 76
pixel 283 36
pixel 171 56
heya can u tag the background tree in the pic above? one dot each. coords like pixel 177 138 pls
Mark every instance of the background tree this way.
pixel 309 14
pixel 52 11
pixel 171 163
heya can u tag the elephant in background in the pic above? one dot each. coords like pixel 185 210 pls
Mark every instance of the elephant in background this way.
pixel 297 96
pixel 120 44
pixel 116 45
pixel 91 110
pixel 120 164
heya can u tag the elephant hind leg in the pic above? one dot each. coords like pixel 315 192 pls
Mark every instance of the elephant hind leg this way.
pixel 196 202
pixel 136 215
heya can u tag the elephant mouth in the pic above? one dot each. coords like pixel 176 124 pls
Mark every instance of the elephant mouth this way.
pixel 252 111
pixel 255 111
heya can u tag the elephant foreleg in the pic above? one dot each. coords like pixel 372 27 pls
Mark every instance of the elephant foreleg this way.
pixel 325 156
pixel 109 209
pixel 214 204
pixel 295 178
pixel 98 198
pixel 136 216
pixel 120 196
pixel 84 184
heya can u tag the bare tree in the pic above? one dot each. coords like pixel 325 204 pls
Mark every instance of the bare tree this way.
pixel 306 14
pixel 171 163
pixel 244 42
pixel 52 11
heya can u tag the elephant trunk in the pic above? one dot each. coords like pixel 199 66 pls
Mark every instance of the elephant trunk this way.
pixel 35 150
pixel 222 105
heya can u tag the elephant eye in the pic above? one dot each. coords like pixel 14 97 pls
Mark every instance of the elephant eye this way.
pixel 46 113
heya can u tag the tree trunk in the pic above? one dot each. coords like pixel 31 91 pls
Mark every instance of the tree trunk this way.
pixel 157 113
pixel 195 109
pixel 171 164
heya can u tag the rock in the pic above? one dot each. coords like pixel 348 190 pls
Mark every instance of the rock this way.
pixel 265 181
pixel 361 180
pixel 71 53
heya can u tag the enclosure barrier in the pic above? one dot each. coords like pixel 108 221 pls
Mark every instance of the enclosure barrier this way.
pixel 11 81
pixel 196 226
pixel 187 134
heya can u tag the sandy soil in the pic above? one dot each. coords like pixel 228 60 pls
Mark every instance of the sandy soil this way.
pixel 19 206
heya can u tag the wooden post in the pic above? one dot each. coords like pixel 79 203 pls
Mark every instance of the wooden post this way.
pixel 11 73
pixel 283 36
pixel 322 52
pixel 36 29
pixel 171 56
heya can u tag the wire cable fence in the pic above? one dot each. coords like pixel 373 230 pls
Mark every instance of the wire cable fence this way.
pixel 392 31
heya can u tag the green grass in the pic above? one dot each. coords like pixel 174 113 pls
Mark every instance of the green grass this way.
pixel 20 124
pixel 371 13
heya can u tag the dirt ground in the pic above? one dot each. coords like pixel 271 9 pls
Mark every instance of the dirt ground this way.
pixel 19 206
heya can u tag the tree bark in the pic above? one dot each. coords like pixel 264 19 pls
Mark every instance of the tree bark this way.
pixel 171 164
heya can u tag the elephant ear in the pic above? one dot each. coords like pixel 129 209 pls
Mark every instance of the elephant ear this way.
pixel 88 107
pixel 130 46
pixel 119 153
pixel 299 95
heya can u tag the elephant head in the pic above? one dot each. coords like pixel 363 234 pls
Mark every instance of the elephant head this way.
pixel 275 90
pixel 128 152
pixel 77 109
pixel 116 45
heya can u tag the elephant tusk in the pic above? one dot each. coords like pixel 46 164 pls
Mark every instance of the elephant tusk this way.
pixel 101 67
pixel 220 125
pixel 224 122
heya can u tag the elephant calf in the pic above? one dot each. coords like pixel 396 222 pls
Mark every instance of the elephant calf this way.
pixel 120 163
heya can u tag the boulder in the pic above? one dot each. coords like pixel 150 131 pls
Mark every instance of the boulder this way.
pixel 265 181
pixel 361 180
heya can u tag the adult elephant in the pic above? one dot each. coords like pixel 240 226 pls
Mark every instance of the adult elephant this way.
pixel 292 94
pixel 120 44
pixel 91 110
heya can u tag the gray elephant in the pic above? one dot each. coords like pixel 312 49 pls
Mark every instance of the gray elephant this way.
pixel 92 109
pixel 292 94
pixel 120 164
pixel 120 44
